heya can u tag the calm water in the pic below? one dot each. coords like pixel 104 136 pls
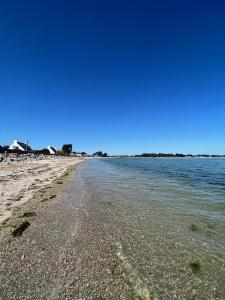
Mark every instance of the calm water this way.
pixel 182 192
pixel 164 213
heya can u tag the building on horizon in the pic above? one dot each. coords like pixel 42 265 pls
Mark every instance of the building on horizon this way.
pixel 17 145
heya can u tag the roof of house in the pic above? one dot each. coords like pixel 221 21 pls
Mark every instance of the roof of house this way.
pixel 24 146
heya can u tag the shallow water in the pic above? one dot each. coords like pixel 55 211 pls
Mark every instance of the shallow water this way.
pixel 190 193
pixel 164 215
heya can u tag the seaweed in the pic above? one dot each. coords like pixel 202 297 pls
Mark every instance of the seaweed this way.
pixel 20 229
pixel 195 266
pixel 66 173
pixel 4 226
pixel 59 182
pixel 194 227
pixel 44 199
pixel 28 214
pixel 114 270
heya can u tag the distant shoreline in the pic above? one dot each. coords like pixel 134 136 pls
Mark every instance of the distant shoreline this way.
pixel 167 156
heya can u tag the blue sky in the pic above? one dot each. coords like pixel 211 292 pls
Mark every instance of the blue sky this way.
pixel 117 76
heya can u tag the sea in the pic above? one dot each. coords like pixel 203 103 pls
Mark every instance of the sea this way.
pixel 166 218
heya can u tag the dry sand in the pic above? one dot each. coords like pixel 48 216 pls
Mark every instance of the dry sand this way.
pixel 20 180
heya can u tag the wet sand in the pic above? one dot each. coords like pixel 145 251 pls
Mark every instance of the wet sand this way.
pixel 65 251
pixel 62 254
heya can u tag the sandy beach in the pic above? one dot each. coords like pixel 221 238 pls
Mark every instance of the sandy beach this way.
pixel 19 180
pixel 82 236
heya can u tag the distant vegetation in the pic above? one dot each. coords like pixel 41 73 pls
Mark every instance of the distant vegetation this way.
pixel 100 154
pixel 3 149
pixel 175 155
pixel 67 149
pixel 60 152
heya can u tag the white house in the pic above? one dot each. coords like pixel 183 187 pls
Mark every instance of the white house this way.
pixel 19 146
pixel 78 154
pixel 51 150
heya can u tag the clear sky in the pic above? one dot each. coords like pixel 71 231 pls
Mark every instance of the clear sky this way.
pixel 120 76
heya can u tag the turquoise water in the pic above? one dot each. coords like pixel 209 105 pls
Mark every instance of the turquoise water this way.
pixel 162 216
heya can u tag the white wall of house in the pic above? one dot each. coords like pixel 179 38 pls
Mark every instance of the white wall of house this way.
pixel 51 150
pixel 15 145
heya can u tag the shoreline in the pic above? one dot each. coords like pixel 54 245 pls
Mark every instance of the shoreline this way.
pixel 63 252
pixel 21 180
pixel 77 243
